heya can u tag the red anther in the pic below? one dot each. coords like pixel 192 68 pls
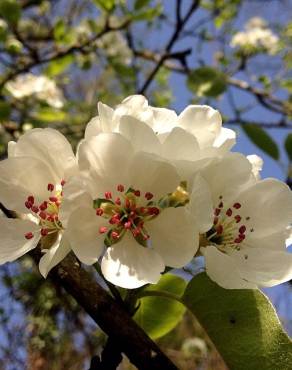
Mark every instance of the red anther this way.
pixel 137 193
pixel 153 211
pixel 120 188
pixel 115 235
pixel 44 232
pixel 136 232
pixel 43 215
pixel 99 212
pixel 220 205
pixel 217 211
pixel 142 210
pixel 237 218
pixel 102 230
pixel 241 236
pixel 127 225
pixel 108 195
pixel 148 195
pixel 237 240
pixel 219 229
pixel 28 204
pixel 146 237
pixel 242 229
pixel 63 182
pixel 30 199
pixel 237 205
pixel 229 212
pixel 127 203
pixel 216 219
pixel 118 202
pixel 56 218
pixel 115 219
pixel 51 187
pixel 44 206
pixel 29 235
pixel 50 218
pixel 53 199
pixel 35 209
pixel 132 214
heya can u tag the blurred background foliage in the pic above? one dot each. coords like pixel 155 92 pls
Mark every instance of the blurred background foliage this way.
pixel 59 57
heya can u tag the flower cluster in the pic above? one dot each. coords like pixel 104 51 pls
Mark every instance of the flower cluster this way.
pixel 39 87
pixel 256 37
pixel 147 189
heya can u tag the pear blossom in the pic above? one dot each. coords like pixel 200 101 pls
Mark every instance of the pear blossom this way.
pixel 195 135
pixel 128 221
pixel 41 87
pixel 31 184
pixel 256 36
pixel 243 240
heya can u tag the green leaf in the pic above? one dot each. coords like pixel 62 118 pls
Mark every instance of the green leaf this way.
pixel 107 5
pixel 159 315
pixel 261 139
pixel 5 110
pixel 207 81
pixel 141 4
pixel 48 114
pixel 288 146
pixel 58 66
pixel 10 10
pixel 242 324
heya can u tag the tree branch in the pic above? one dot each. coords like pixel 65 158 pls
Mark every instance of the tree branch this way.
pixel 180 23
pixel 110 316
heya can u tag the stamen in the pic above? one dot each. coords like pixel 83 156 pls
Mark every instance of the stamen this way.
pixel 108 195
pixel 51 187
pixel 137 193
pixel 53 199
pixel 102 230
pixel 115 235
pixel 35 209
pixel 43 215
pixel 217 211
pixel 229 212
pixel 242 229
pixel 44 232
pixel 63 182
pixel 118 202
pixel 120 188
pixel 29 235
pixel 148 195
pixel 127 225
pixel 236 205
pixel 99 211
pixel 30 199
pixel 44 206
pixel 237 218
pixel 28 204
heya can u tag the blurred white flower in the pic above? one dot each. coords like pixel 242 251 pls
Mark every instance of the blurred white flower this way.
pixel 115 46
pixel 41 87
pixel 256 37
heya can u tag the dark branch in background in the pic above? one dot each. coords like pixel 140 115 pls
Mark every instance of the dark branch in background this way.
pixel 180 23
pixel 110 358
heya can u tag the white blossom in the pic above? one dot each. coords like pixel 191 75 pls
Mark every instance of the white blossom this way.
pixel 243 239
pixel 131 218
pixel 195 135
pixel 31 183
pixel 40 87
pixel 256 37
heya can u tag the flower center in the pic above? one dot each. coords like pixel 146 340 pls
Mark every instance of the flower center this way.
pixel 47 212
pixel 128 212
pixel 229 227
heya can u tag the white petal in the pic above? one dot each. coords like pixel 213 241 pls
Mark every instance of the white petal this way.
pixel 104 160
pixel 264 267
pixel 222 269
pixel 50 147
pixel 268 203
pixel 129 265
pixel 75 195
pixel 139 134
pixel 149 173
pixel 202 121
pixel 164 120
pixel 201 205
pixel 225 140
pixel 21 177
pixel 257 164
pixel 226 176
pixel 83 234
pixel 106 118
pixel 180 144
pixel 54 255
pixel 13 243
pixel 174 235
pixel 93 128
